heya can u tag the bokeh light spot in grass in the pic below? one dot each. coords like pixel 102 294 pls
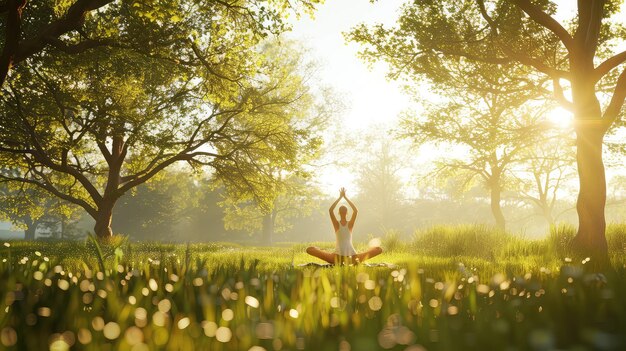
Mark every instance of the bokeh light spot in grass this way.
pixel 434 303
pixel 482 289
pixel 369 284
pixel 44 311
pixel 375 303
pixel 257 348
pixel 111 331
pixel 8 336
pixel 404 336
pixel 209 328
pixel 132 300
pixel 293 313
pixel 252 301
pixel 228 315
pixel 63 284
pixel 386 338
pixel 361 277
pixel 184 323
pixel 223 334
pixel 277 344
pixel 133 336
pixel 159 318
pixel 153 284
pixel 344 346
pixel 198 282
pixel 145 292
pixel 59 345
pixel 453 310
pixel 164 305
pixel 84 336
pixel 87 298
pixel 38 275
pixel 7 244
pixel 498 278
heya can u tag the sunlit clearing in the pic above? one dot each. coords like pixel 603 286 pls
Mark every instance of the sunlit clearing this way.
pixel 561 118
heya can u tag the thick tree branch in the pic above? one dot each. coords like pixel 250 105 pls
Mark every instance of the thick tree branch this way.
pixel 617 101
pixel 72 20
pixel 560 97
pixel 51 189
pixel 545 20
pixel 12 34
pixel 606 66
pixel 490 21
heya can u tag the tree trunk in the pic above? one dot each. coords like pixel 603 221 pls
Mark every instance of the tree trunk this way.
pixel 268 229
pixel 590 239
pixel 103 219
pixel 547 214
pixel 12 32
pixel 29 232
pixel 496 209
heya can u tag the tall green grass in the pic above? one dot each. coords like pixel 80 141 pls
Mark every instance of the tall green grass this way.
pixel 464 288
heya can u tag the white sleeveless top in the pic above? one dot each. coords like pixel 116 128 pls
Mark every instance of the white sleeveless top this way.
pixel 344 241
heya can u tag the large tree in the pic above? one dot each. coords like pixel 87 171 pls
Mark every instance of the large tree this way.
pixel 526 32
pixel 545 171
pixel 482 110
pixel 75 26
pixel 381 191
pixel 293 193
pixel 94 125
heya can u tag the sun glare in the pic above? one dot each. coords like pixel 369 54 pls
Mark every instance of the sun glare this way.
pixel 561 118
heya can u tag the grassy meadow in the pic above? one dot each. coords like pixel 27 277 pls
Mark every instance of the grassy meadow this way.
pixel 448 288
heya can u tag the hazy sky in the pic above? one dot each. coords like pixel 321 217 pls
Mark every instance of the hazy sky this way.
pixel 370 99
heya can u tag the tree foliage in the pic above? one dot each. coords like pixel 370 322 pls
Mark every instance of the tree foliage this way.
pixel 76 26
pixel 90 126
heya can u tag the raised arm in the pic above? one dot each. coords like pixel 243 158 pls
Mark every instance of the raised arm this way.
pixel 331 211
pixel 354 211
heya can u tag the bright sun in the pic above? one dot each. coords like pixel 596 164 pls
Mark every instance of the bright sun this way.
pixel 561 118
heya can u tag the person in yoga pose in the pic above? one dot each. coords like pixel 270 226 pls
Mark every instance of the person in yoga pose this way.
pixel 344 250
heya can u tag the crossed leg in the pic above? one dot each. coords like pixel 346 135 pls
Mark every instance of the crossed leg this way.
pixel 332 257
pixel 324 255
pixel 374 251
